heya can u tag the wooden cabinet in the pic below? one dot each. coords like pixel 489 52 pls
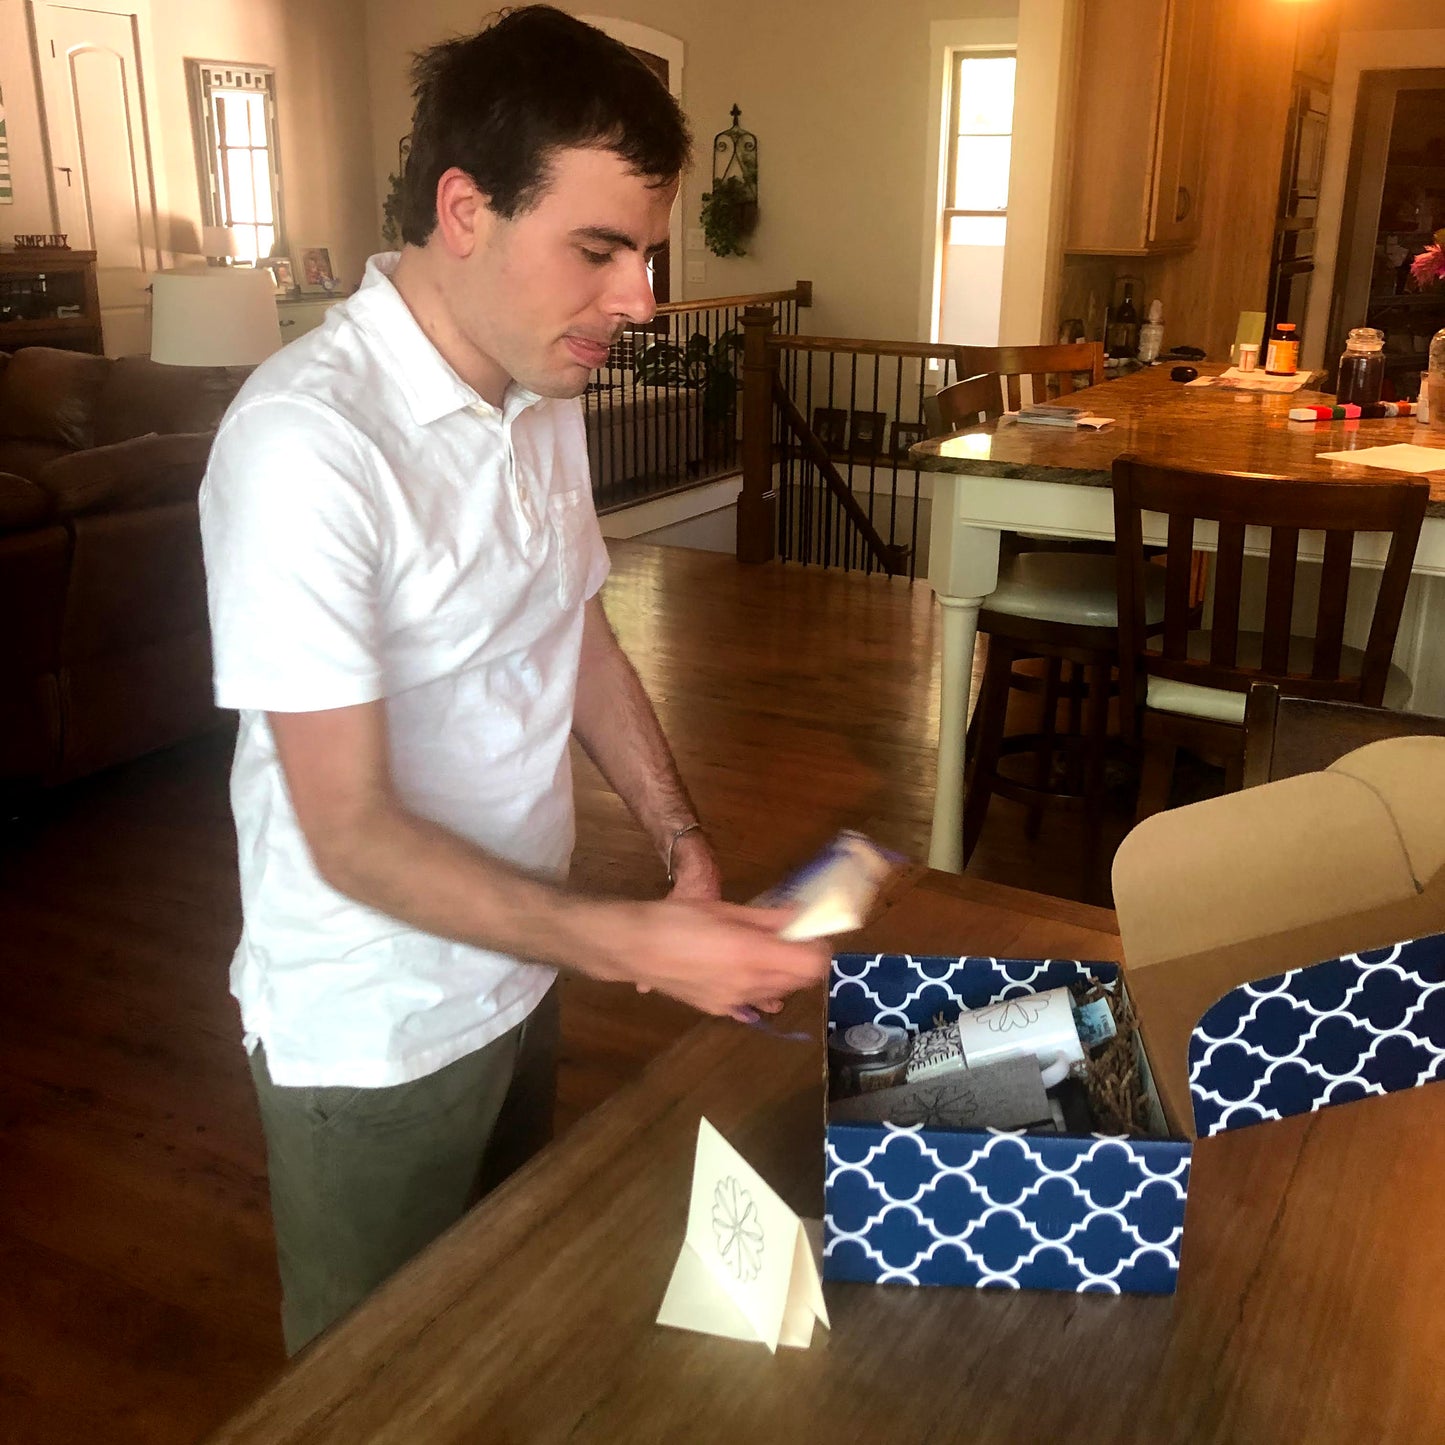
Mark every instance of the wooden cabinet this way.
pixel 300 314
pixel 48 298
pixel 1139 126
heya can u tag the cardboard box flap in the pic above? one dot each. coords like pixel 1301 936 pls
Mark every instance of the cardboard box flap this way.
pixel 1242 887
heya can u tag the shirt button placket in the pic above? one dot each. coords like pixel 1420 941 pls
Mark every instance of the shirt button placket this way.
pixel 523 499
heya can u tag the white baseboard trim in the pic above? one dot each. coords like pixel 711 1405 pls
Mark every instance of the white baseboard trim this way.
pixel 668 511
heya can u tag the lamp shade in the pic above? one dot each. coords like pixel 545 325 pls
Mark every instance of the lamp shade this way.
pixel 223 316
pixel 219 241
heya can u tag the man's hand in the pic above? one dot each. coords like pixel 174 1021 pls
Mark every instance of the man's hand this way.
pixel 721 958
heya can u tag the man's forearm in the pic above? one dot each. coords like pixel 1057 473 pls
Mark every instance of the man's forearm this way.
pixel 368 845
pixel 615 722
pixel 718 957
pixel 422 874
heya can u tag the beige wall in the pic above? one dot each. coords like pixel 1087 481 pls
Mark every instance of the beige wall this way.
pixel 837 95
pixel 1392 14
pixel 318 50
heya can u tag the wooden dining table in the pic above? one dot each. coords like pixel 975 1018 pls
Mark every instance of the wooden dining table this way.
pixel 1307 1305
pixel 1048 481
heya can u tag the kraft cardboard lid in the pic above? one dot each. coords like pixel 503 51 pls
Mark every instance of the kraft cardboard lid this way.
pixel 1242 887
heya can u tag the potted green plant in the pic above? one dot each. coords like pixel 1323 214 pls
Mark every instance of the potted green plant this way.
pixel 702 365
pixel 729 214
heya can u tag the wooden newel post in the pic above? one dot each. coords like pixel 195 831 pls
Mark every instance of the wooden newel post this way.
pixel 758 503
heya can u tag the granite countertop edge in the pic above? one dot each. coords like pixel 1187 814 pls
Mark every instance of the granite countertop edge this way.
pixel 1012 471
pixel 1038 472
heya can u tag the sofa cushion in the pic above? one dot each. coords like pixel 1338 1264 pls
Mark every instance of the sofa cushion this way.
pixel 147 471
pixel 22 503
pixel 48 395
pixel 141 395
pixel 25 459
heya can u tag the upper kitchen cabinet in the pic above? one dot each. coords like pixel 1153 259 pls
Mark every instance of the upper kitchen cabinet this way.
pixel 1139 126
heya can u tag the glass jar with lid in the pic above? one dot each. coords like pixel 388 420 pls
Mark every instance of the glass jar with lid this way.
pixel 1432 384
pixel 1362 367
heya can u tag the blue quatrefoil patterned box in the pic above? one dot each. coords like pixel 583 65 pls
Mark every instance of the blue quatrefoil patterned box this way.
pixel 1096 1212
pixel 1367 1023
pixel 990 1207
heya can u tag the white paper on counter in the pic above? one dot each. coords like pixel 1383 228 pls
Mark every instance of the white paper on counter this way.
pixel 748 1269
pixel 1401 457
pixel 1259 380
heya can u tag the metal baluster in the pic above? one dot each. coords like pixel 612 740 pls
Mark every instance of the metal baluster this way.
pixel 897 412
pixel 806 497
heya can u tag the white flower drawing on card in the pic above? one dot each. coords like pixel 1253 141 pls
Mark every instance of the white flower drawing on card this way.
pixel 1012 1014
pixel 738 1230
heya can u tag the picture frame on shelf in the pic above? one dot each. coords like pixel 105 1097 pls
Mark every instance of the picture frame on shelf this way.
pixel 865 433
pixel 282 273
pixel 830 426
pixel 905 434
pixel 314 271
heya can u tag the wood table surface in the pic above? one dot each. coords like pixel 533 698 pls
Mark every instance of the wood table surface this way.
pixel 1306 1309
pixel 1187 426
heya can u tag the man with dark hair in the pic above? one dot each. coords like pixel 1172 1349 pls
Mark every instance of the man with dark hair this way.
pixel 403 565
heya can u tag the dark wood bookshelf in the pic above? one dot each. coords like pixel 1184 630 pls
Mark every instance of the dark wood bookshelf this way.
pixel 34 283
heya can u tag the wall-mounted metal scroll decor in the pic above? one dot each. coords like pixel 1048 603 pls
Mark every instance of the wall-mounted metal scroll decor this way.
pixel 730 208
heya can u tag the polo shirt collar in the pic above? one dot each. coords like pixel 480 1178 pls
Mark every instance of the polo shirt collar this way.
pixel 422 375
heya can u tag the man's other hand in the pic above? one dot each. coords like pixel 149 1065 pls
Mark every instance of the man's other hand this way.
pixel 721 958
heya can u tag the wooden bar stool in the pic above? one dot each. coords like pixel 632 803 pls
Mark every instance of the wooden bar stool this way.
pixel 1060 607
pixel 1054 606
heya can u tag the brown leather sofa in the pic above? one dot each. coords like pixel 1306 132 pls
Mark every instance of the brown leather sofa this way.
pixel 105 650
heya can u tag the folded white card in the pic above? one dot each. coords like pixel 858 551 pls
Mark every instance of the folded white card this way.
pixel 1401 457
pixel 748 1269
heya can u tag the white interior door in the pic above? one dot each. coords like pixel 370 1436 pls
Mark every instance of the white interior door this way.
pixel 101 175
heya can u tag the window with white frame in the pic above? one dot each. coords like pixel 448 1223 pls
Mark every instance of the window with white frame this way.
pixel 975 190
pixel 234 117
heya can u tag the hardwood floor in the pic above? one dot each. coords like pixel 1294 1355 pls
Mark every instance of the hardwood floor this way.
pixel 138 1300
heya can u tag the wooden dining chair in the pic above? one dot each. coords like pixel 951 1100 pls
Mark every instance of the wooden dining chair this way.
pixel 1051 369
pixel 1285 736
pixel 964 403
pixel 1185 685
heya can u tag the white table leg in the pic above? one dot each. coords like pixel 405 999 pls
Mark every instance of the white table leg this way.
pixel 960 631
pixel 962 570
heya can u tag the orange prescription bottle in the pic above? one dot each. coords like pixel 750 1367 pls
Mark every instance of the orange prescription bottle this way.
pixel 1282 356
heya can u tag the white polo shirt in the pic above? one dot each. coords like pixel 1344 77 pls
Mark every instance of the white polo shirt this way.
pixel 373 529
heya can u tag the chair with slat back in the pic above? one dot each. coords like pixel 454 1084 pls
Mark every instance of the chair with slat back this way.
pixel 1286 736
pixel 966 403
pixel 1185 686
pixel 1050 369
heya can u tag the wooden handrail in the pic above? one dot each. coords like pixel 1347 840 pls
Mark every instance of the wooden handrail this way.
pixel 802 293
pixel 851 347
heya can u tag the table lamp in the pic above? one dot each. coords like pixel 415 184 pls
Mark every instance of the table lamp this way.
pixel 223 316
pixel 220 245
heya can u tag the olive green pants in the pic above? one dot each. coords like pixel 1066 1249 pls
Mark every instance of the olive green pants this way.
pixel 363 1179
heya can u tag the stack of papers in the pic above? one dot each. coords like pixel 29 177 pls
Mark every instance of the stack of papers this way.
pixel 1055 413
pixel 1236 380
